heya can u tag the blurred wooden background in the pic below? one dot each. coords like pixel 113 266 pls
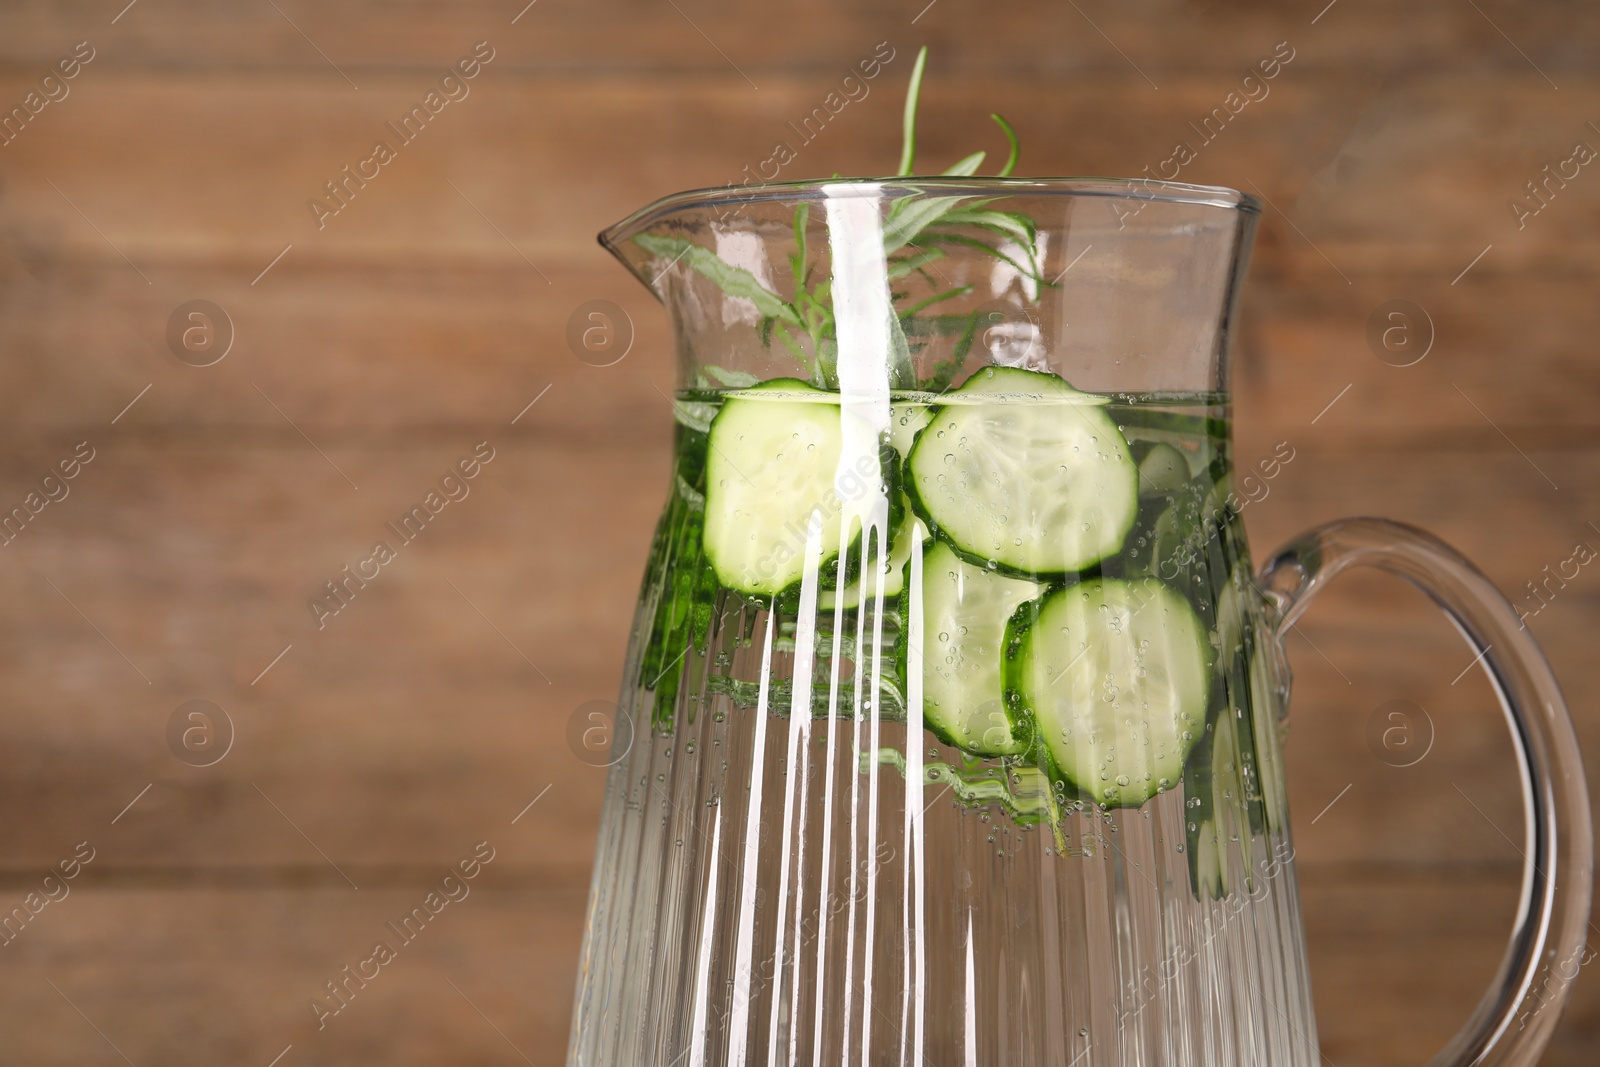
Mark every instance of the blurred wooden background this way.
pixel 426 315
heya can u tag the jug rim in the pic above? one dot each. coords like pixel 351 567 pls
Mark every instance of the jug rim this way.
pixel 1144 189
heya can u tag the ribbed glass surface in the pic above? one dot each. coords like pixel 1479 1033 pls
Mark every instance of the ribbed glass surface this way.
pixel 793 871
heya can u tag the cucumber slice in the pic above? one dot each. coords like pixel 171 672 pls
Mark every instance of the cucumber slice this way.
pixel 1116 679
pixel 1264 702
pixel 1237 698
pixel 1213 786
pixel 1196 437
pixel 905 419
pixel 1021 470
pixel 1162 469
pixel 964 611
pixel 770 465
pixel 863 586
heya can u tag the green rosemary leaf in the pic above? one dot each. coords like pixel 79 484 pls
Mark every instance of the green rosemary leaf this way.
pixel 794 349
pixel 936 298
pixel 729 379
pixel 827 369
pixel 908 142
pixel 1011 136
pixel 952 325
pixel 988 250
pixel 966 167
pixel 995 221
pixel 902 374
pixel 802 215
pixel 1029 227
pixel 964 344
pixel 735 281
pixel 917 215
pixel 945 371
pixel 901 267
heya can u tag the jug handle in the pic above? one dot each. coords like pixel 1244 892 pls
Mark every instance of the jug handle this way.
pixel 1514 1020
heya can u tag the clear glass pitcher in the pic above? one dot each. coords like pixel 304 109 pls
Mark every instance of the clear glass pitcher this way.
pixel 955 699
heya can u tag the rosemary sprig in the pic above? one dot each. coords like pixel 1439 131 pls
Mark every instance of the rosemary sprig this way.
pixel 918 230
pixel 908 127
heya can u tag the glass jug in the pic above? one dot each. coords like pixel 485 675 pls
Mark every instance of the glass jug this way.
pixel 955 700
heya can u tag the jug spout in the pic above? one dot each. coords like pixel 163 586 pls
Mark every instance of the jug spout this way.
pixel 1115 285
pixel 723 236
pixel 619 241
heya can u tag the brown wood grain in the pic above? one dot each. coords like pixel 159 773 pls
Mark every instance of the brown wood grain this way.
pixel 236 971
pixel 407 688
pixel 423 317
pixel 1373 181
pixel 1031 39
pixel 388 352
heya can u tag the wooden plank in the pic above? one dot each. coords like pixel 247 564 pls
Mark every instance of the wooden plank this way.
pixel 1028 39
pixel 217 976
pixel 197 564
pixel 1507 356
pixel 349 356
pixel 1374 183
pixel 1371 639
pixel 1398 960
pixel 410 716
pixel 350 352
pixel 420 321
